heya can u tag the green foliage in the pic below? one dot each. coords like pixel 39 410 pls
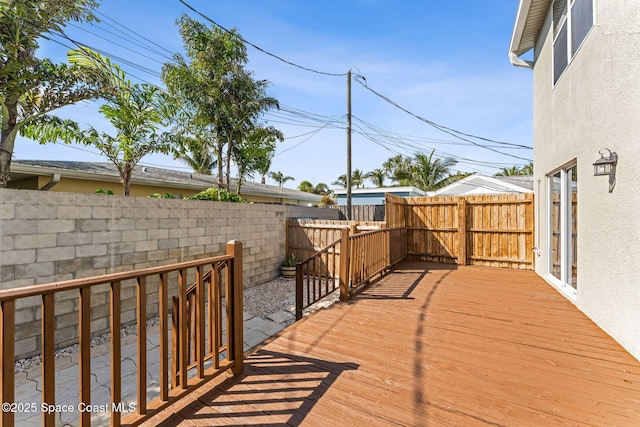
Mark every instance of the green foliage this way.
pixel 162 196
pixel 101 191
pixel 134 110
pixel 290 261
pixel 327 201
pixel 217 195
pixel 280 178
pixel 32 87
pixel 526 170
pixel 219 101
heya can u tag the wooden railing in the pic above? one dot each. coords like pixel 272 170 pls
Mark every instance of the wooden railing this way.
pixel 230 264
pixel 316 277
pixel 361 257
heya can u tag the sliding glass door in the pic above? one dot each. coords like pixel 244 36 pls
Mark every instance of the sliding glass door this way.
pixel 563 228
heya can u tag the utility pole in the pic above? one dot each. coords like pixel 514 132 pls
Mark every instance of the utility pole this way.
pixel 349 145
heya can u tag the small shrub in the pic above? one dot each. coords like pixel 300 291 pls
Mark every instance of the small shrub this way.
pixel 163 196
pixel 101 191
pixel 291 260
pixel 217 195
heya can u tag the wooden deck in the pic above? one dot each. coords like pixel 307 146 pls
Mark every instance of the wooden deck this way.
pixel 429 345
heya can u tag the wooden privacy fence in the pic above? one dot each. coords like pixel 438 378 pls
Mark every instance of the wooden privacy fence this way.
pixel 489 230
pixel 360 256
pixel 205 291
pixel 305 237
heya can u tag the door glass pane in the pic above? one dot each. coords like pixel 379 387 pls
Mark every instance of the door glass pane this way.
pixel 573 220
pixel 555 263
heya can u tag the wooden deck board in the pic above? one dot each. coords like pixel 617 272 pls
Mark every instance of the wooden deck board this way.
pixel 431 345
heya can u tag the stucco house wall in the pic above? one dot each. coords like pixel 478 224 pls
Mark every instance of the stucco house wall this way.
pixel 595 104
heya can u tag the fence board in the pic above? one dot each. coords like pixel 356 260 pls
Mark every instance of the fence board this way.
pixel 498 229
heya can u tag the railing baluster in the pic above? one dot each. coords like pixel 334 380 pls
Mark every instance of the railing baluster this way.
pixel 182 328
pixel 163 297
pixel 84 332
pixel 217 300
pixel 141 298
pixel 7 350
pixel 116 351
pixel 175 342
pixel 48 357
pixel 199 322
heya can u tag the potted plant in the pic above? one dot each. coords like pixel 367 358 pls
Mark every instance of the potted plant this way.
pixel 288 269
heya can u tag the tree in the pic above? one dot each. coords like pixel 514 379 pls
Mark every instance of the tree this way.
pixel 429 173
pixel 320 188
pixel 357 179
pixel 377 177
pixel 254 152
pixel 221 98
pixel 515 170
pixel 263 165
pixel 398 169
pixel 280 178
pixel 31 87
pixel 134 110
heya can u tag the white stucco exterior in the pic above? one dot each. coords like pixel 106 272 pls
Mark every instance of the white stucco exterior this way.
pixel 595 104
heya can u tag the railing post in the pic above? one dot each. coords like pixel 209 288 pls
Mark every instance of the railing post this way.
pixel 299 291
pixel 7 364
pixel 344 265
pixel 462 231
pixel 234 247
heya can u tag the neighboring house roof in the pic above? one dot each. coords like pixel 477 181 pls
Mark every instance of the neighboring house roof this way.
pixel 481 184
pixel 382 190
pixel 147 175
pixel 529 21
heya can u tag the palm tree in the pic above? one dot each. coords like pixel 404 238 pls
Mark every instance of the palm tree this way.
pixel 263 166
pixel 306 186
pixel 135 111
pixel 527 169
pixel 429 173
pixel 512 171
pixel 341 181
pixel 377 177
pixel 398 169
pixel 320 188
pixel 357 179
pixel 280 178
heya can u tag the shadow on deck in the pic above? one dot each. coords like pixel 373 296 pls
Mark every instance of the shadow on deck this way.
pixel 431 344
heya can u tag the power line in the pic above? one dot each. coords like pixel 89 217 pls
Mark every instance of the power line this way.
pixel 444 129
pixel 258 47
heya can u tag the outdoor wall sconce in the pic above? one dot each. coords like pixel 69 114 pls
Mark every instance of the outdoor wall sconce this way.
pixel 606 166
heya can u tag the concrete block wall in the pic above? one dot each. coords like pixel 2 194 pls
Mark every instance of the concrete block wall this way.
pixel 49 237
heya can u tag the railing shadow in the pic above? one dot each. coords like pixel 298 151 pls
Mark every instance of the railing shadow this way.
pixel 406 278
pixel 274 384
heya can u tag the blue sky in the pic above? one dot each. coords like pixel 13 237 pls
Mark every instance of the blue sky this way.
pixel 445 61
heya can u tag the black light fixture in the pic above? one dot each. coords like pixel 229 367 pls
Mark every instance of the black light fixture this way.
pixel 606 166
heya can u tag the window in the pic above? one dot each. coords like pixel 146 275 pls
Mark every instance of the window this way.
pixel 572 20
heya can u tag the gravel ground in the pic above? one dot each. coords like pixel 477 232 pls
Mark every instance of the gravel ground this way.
pixel 270 297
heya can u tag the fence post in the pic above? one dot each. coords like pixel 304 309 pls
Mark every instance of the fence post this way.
pixel 299 291
pixel 462 231
pixel 344 265
pixel 234 247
